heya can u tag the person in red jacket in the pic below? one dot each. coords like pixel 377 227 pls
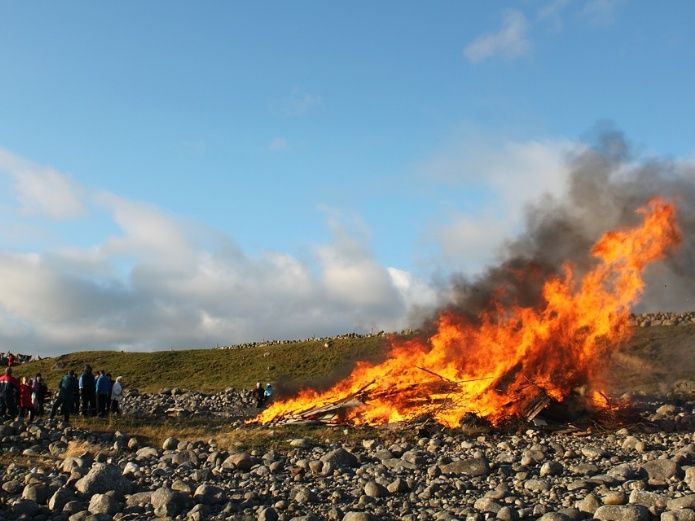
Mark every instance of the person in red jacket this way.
pixel 10 360
pixel 9 394
pixel 26 409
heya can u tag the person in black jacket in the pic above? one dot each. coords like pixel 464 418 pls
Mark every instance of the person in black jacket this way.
pixel 260 395
pixel 88 392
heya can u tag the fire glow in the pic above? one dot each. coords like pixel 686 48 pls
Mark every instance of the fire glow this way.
pixel 494 366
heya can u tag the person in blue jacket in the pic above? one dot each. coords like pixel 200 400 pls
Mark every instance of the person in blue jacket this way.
pixel 66 396
pixel 103 391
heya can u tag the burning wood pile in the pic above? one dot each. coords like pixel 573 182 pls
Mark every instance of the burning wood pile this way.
pixel 511 362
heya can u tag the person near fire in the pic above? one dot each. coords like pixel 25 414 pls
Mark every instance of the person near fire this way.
pixel 268 393
pixel 260 395
pixel 9 394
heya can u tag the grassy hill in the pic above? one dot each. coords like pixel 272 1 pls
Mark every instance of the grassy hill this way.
pixel 655 356
pixel 217 369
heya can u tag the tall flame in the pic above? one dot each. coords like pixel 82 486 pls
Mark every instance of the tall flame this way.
pixel 490 366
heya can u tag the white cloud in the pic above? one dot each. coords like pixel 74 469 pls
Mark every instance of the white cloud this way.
pixel 42 190
pixel 511 174
pixel 510 41
pixel 552 13
pixel 471 242
pixel 160 281
pixel 602 12
pixel 413 290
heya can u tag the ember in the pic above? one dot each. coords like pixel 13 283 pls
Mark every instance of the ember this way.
pixel 511 362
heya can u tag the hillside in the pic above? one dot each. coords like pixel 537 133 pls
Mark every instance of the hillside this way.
pixel 651 361
pixel 216 369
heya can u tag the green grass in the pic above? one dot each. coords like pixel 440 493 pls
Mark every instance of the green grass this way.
pixel 216 369
pixel 654 357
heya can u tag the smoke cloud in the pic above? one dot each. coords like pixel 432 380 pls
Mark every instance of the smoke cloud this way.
pixel 606 184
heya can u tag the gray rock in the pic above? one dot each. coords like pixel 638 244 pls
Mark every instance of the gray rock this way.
pixel 130 468
pixel 572 513
pixel 507 513
pixel 103 504
pixel 536 485
pixel 685 514
pixel 26 508
pixel 662 469
pixel 167 503
pixel 589 504
pixel 197 513
pixel 268 514
pixel 102 478
pixel 398 486
pixel 469 467
pixel 625 471
pixel 594 453
pixel 681 502
pixel 241 460
pixel 551 468
pixel 374 489
pixel 341 458
pixel 690 478
pixel 622 513
pixel 647 499
pixel 170 443
pixel 485 504
pixel 303 495
pixel 208 494
pixel 553 516
pixel 359 516
pixel 301 443
pixel 145 453
pixel 615 497
pixel 37 493
pixel 59 499
pixel 138 499
pixel 12 486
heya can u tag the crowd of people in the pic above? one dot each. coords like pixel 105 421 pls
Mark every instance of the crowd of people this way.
pixel 23 398
pixel 91 395
pixel 10 359
pixel 263 394
pixel 98 394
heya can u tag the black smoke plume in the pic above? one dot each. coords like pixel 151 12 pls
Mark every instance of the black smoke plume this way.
pixel 607 183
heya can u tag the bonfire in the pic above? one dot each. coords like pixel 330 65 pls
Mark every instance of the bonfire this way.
pixel 511 361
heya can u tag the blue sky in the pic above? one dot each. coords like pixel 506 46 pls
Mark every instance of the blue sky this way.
pixel 161 152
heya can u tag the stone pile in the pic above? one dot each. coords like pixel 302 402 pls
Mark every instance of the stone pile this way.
pixel 663 319
pixel 230 403
pixel 325 339
pixel 634 474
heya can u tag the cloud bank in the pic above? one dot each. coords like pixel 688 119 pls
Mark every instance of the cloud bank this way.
pixel 163 282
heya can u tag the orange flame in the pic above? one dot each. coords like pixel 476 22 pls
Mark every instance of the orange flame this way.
pixel 493 367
